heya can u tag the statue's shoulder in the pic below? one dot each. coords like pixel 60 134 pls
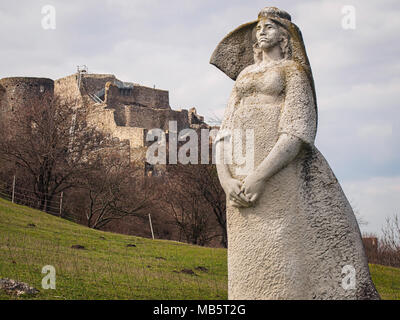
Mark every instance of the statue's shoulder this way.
pixel 249 69
pixel 291 66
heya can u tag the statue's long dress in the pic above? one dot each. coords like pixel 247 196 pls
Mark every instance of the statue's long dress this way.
pixel 294 243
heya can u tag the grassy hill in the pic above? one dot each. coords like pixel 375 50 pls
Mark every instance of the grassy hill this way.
pixel 107 268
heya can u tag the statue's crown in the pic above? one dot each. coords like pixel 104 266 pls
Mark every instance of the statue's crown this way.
pixel 274 12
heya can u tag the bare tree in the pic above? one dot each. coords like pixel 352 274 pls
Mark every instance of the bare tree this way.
pixel 204 179
pixel 389 248
pixel 114 189
pixel 50 141
pixel 187 211
pixel 196 201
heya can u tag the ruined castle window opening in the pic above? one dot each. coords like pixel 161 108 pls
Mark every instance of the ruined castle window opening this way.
pixel 148 169
pixel 41 88
pixel 125 92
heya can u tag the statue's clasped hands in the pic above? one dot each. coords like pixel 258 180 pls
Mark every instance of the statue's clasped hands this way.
pixel 244 194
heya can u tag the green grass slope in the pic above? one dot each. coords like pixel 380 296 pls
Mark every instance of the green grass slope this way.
pixel 108 269
pixel 386 280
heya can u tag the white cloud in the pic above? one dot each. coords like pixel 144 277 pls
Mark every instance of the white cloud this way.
pixel 363 96
pixel 376 131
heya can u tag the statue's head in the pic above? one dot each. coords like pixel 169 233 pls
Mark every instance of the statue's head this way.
pixel 268 34
pixel 273 12
pixel 271 33
pixel 241 47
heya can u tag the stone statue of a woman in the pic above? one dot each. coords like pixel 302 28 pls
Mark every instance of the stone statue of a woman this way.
pixel 292 233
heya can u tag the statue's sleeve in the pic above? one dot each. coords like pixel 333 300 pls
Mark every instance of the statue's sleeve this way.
pixel 226 126
pixel 298 115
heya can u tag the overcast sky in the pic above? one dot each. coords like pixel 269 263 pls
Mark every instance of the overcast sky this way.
pixel 168 44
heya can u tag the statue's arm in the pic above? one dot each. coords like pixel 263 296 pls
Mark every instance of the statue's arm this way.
pixel 223 171
pixel 223 138
pixel 231 186
pixel 297 128
pixel 284 151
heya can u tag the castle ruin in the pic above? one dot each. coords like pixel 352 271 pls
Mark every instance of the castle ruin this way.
pixel 124 110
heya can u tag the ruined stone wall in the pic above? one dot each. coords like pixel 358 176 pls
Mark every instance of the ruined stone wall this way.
pixel 67 90
pixel 101 118
pixel 153 98
pixel 137 95
pixel 136 136
pixel 93 83
pixel 155 118
pixel 120 115
pixel 2 98
pixel 195 118
pixel 20 92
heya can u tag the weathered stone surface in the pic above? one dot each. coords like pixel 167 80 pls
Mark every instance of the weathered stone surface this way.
pixel 188 271
pixel 202 269
pixel 233 54
pixel 77 246
pixel 136 94
pixel 17 288
pixel 291 229
pixel 17 92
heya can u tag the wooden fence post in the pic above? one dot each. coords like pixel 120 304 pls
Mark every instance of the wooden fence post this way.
pixel 13 191
pixel 151 226
pixel 61 202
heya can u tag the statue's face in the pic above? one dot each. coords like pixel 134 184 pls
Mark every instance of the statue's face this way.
pixel 267 34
